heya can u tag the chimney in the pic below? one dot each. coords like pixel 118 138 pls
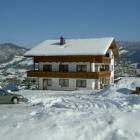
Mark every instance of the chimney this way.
pixel 62 40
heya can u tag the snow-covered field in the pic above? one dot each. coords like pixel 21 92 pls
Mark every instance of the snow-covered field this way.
pixel 110 114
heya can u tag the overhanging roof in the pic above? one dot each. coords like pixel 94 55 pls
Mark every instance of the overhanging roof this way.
pixel 97 46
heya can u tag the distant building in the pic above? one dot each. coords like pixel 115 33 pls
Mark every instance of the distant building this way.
pixel 73 63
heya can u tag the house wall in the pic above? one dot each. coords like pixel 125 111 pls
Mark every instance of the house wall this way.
pixel 72 66
pixel 111 66
pixel 91 84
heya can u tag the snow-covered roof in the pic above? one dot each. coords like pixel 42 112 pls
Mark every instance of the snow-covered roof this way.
pixel 97 46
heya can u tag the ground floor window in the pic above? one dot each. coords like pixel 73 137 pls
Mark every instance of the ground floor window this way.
pixel 81 83
pixel 64 82
pixel 47 82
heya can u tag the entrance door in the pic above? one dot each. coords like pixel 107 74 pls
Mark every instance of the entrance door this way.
pixel 45 84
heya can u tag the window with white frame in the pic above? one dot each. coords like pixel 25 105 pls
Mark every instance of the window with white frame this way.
pixel 81 68
pixel 81 83
pixel 107 67
pixel 49 82
pixel 64 82
pixel 63 67
pixel 96 67
pixel 47 67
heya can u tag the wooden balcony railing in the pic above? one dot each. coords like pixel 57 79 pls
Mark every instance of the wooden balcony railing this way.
pixel 86 75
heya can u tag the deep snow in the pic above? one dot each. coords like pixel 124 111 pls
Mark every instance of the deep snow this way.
pixel 110 114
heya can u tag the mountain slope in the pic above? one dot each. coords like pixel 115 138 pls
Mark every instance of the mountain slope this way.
pixel 8 51
pixel 130 51
pixel 12 56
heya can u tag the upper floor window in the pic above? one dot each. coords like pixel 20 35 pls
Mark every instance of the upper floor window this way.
pixel 64 82
pixel 81 83
pixel 47 67
pixel 63 67
pixel 96 67
pixel 104 68
pixel 107 67
pixel 82 68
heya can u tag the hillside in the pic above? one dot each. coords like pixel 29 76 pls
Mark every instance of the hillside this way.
pixel 9 50
pixel 12 56
pixel 130 51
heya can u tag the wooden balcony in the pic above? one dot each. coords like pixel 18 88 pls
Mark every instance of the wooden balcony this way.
pixel 84 75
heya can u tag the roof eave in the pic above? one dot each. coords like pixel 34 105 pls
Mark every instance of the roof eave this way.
pixel 114 48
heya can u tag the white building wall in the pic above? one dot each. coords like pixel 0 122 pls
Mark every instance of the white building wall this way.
pixel 40 66
pixel 92 67
pixel 72 84
pixel 40 83
pixel 91 83
pixel 111 66
pixel 71 65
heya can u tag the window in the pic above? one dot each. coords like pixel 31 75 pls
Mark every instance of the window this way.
pixel 64 82
pixel 81 83
pixel 96 68
pixel 82 68
pixel 47 67
pixel 107 54
pixel 106 67
pixel 63 67
pixel 49 82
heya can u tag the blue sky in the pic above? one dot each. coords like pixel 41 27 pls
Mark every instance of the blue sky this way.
pixel 28 22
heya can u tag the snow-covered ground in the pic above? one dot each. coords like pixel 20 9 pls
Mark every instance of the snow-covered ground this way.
pixel 110 114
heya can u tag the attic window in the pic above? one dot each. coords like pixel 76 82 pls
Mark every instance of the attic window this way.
pixel 107 54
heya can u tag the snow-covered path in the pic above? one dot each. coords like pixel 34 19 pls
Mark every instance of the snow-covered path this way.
pixel 110 114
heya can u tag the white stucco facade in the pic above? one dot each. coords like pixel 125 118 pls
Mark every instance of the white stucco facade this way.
pixel 90 84
pixel 72 67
